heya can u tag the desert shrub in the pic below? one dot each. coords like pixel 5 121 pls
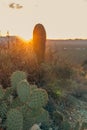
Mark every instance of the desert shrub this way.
pixel 58 117
pixel 54 78
pixel 63 71
pixel 19 57
pixel 6 68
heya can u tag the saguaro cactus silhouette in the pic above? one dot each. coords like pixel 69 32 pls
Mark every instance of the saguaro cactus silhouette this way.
pixel 39 39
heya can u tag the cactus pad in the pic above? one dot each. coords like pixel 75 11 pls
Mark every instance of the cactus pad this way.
pixel 38 98
pixel 16 77
pixel 29 120
pixel 34 117
pixel 23 91
pixel 14 120
pixel 43 116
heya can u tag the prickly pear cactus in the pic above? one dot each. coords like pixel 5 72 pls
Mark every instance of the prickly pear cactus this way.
pixel 34 116
pixel 16 77
pixel 14 120
pixel 42 116
pixel 21 105
pixel 38 98
pixel 29 119
pixel 23 91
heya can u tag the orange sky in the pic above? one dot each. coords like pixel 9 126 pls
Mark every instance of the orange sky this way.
pixel 61 18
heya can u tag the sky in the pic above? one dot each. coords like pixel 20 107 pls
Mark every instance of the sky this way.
pixel 61 18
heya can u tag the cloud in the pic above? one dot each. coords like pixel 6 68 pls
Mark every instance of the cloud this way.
pixel 15 6
pixel 12 5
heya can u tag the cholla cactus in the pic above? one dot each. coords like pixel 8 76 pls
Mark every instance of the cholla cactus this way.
pixel 39 39
pixel 21 105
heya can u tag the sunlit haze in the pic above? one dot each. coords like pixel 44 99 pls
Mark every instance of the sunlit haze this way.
pixel 61 18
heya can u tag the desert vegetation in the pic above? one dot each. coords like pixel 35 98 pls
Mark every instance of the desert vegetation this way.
pixel 42 84
pixel 39 41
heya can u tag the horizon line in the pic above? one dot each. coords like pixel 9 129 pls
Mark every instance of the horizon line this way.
pixel 77 38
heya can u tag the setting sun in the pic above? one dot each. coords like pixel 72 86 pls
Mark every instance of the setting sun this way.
pixel 62 19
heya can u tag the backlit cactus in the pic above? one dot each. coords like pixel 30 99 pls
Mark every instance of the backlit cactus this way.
pixel 39 41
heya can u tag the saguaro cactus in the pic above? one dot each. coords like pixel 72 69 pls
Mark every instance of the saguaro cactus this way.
pixel 39 39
